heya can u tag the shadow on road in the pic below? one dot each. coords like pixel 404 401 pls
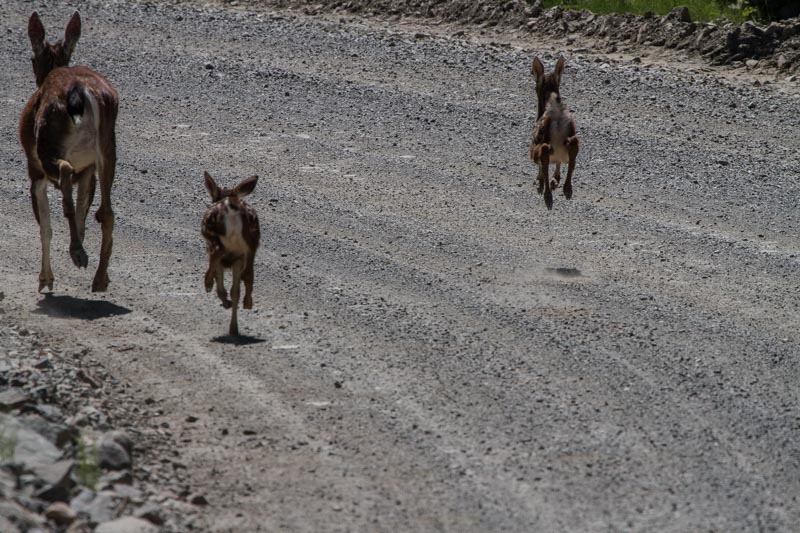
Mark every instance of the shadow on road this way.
pixel 71 307
pixel 241 340
pixel 564 272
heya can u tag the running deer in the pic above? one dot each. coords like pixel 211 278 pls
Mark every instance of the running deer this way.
pixel 553 140
pixel 67 132
pixel 230 228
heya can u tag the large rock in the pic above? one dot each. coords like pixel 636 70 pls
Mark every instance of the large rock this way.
pixel 19 516
pixel 58 434
pixel 129 524
pixel 30 447
pixel 112 455
pixel 56 480
pixel 13 398
pixel 97 507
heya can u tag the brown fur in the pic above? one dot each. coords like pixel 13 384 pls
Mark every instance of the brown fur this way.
pixel 45 125
pixel 229 205
pixel 553 124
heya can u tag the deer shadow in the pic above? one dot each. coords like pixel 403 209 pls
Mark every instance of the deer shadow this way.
pixel 71 307
pixel 237 340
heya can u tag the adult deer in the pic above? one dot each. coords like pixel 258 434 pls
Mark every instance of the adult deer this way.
pixel 67 132
pixel 230 228
pixel 554 139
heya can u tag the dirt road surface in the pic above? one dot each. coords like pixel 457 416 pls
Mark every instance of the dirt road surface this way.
pixel 431 349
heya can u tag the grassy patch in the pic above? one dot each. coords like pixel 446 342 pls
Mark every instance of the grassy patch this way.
pixel 88 469
pixel 700 10
pixel 8 443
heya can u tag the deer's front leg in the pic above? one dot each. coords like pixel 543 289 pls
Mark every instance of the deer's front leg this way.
pixel 76 251
pixel 41 209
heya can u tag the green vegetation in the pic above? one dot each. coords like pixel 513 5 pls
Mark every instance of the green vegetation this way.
pixel 8 443
pixel 88 469
pixel 699 10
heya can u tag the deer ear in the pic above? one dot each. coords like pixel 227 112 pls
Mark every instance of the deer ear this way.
pixel 36 32
pixel 72 33
pixel 559 68
pixel 246 186
pixel 537 69
pixel 211 187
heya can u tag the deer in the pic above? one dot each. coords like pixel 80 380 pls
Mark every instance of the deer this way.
pixel 67 132
pixel 554 139
pixel 230 229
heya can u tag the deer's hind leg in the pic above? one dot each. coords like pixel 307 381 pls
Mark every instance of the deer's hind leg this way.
pixel 106 166
pixel 237 268
pixel 87 183
pixel 219 277
pixel 41 210
pixel 573 147
pixel 76 251
pixel 556 177
pixel 215 255
pixel 542 158
pixel 248 277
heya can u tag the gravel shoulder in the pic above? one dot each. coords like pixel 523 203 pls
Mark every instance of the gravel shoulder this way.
pixel 430 348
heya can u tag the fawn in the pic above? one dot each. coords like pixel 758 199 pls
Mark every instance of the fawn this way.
pixel 553 140
pixel 230 228
pixel 67 132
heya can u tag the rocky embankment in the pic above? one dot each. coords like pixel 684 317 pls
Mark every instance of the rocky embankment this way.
pixel 772 47
pixel 71 459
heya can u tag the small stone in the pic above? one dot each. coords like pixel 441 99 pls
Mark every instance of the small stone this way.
pixel 209 66
pixel 117 477
pixel 751 63
pixel 150 512
pixel 191 419
pixel 129 524
pixel 198 499
pixel 61 514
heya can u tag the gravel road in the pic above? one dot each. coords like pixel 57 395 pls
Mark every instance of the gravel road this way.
pixel 430 348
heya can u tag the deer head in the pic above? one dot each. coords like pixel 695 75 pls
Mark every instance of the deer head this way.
pixel 546 84
pixel 47 56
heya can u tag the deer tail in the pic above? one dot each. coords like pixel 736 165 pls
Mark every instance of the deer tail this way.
pixel 76 102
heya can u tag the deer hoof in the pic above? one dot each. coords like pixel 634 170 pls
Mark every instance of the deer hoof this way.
pixel 227 304
pixel 248 302
pixel 209 282
pixel 568 191
pixel 548 199
pixel 100 283
pixel 79 257
pixel 45 282
pixel 233 331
